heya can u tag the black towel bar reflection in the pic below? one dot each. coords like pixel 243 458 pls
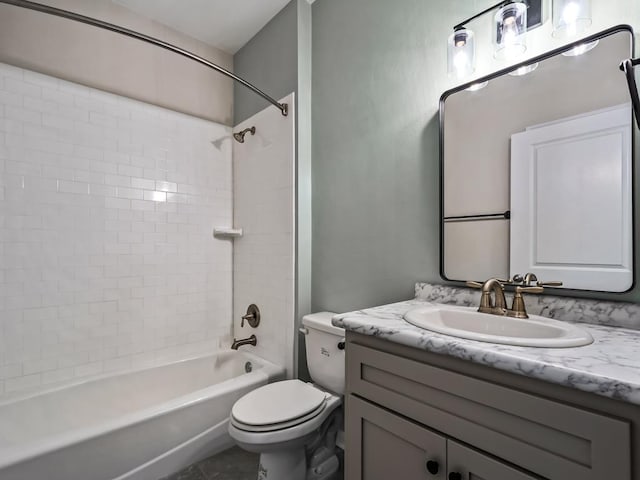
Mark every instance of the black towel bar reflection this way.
pixel 627 67
pixel 479 217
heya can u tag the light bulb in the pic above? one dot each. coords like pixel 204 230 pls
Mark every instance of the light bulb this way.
pixel 461 61
pixel 461 53
pixel 570 17
pixel 570 13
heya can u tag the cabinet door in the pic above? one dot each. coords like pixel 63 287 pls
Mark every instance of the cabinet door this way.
pixel 384 446
pixel 472 465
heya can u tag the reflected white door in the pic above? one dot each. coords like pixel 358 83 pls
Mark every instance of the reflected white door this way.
pixel 571 201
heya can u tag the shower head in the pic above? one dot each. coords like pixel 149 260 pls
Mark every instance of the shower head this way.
pixel 239 136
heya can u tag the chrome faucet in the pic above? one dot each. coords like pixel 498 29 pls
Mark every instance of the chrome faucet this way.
pixel 252 340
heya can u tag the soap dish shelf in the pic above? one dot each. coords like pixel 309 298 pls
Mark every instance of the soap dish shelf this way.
pixel 226 232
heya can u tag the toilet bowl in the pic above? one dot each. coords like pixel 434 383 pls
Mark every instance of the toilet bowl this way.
pixel 294 424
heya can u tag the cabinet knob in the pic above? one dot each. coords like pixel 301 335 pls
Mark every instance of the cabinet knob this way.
pixel 433 467
pixel 455 476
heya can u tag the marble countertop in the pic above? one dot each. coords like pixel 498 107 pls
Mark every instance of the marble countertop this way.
pixel 610 366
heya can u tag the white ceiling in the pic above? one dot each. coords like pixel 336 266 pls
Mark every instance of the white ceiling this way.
pixel 225 24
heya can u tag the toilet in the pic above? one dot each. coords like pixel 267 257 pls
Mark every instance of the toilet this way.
pixel 293 424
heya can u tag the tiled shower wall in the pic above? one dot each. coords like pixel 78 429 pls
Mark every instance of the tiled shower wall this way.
pixel 264 257
pixel 107 205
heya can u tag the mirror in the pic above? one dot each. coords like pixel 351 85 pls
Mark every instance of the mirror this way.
pixel 537 170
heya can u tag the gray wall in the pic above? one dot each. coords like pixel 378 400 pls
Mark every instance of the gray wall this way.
pixel 379 68
pixel 377 79
pixel 269 61
pixel 278 60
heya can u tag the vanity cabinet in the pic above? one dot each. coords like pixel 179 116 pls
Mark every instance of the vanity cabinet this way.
pixel 391 446
pixel 406 407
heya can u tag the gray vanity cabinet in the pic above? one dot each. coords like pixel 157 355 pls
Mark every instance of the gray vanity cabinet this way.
pixel 406 407
pixel 392 447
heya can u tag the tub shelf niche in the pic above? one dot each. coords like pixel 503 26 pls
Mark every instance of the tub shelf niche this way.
pixel 227 232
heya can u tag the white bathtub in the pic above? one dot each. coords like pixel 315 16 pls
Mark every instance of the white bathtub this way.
pixel 140 425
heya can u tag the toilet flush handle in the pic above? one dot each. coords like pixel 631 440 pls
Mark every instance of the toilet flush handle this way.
pixel 303 331
pixel 341 344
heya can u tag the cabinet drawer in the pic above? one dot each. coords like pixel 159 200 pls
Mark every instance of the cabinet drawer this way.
pixel 551 439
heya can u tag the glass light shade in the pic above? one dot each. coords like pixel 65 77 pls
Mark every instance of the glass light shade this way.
pixel 509 32
pixel 570 17
pixel 461 53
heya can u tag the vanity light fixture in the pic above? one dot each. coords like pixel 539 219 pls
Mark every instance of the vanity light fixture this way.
pixel 570 17
pixel 511 21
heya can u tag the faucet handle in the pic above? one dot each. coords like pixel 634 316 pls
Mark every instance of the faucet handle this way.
pixel 554 283
pixel 252 316
pixel 538 289
pixel 518 309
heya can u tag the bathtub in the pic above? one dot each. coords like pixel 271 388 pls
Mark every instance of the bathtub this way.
pixel 133 426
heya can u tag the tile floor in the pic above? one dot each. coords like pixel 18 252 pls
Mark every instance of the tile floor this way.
pixel 232 464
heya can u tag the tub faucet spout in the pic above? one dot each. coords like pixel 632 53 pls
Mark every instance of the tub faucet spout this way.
pixel 252 340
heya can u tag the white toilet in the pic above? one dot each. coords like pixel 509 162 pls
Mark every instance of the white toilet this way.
pixel 293 424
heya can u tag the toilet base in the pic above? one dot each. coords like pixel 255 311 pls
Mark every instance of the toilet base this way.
pixel 289 464
pixel 292 465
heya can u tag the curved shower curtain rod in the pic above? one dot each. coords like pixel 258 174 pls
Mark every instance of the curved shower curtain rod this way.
pixel 283 107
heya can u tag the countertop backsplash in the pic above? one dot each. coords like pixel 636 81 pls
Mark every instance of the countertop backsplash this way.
pixel 597 312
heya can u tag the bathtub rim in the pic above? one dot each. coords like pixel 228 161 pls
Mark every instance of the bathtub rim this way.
pixel 17 454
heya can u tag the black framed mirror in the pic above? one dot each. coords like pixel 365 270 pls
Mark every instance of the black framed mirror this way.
pixel 536 166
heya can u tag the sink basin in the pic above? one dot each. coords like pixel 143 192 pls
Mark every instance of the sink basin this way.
pixel 467 322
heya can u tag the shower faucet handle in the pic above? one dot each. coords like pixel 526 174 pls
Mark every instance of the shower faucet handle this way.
pixel 252 316
pixel 249 317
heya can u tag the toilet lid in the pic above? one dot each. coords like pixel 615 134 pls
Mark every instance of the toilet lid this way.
pixel 278 403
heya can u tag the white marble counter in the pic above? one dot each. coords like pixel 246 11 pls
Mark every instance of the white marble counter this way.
pixel 609 367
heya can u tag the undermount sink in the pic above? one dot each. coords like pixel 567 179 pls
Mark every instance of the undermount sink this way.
pixel 467 322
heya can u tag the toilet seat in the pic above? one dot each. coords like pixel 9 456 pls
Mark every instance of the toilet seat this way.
pixel 278 426
pixel 260 438
pixel 278 406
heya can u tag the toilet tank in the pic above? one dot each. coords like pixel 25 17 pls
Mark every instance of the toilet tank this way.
pixel 325 358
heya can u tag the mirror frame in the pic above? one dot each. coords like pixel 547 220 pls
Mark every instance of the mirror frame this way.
pixel 504 71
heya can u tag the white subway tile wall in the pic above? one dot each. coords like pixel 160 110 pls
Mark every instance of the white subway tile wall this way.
pixel 107 207
pixel 264 257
